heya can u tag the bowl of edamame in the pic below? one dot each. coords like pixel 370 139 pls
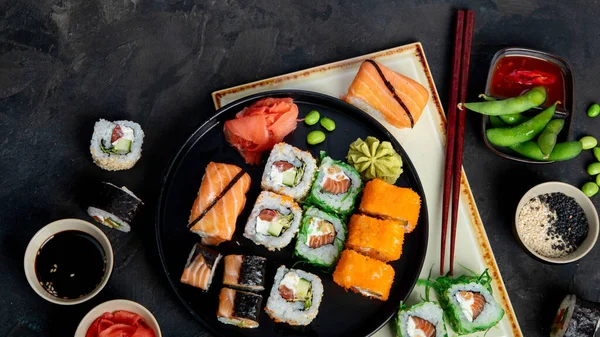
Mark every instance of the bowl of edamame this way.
pixel 556 222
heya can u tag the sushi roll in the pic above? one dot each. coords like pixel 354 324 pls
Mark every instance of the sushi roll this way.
pixel 116 145
pixel 114 206
pixel 274 221
pixel 576 318
pixel 321 237
pixel 379 239
pixel 423 319
pixel 387 201
pixel 245 272
pixel 336 187
pixel 289 171
pixel 239 308
pixel 468 302
pixel 200 267
pixel 295 297
pixel 364 275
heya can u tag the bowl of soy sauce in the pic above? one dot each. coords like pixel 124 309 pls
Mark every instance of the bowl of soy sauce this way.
pixel 68 261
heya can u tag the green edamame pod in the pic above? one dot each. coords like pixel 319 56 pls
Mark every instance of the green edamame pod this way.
pixel 315 137
pixel 312 118
pixel 513 119
pixel 486 97
pixel 593 169
pixel 588 142
pixel 597 153
pixel 562 151
pixel 523 132
pixel 328 124
pixel 590 189
pixel 547 138
pixel 532 98
pixel 497 122
pixel 594 110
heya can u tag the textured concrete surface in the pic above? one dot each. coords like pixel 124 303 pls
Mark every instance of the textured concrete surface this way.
pixel 66 63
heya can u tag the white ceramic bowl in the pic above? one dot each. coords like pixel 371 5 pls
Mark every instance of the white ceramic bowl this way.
pixel 47 232
pixel 115 305
pixel 588 208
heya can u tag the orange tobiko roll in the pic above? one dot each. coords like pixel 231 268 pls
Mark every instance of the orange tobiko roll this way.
pixel 364 275
pixel 387 201
pixel 377 238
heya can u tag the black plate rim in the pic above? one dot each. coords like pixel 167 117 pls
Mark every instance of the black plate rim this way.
pixel 210 123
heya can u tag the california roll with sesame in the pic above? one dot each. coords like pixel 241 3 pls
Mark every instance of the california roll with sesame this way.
pixel 289 171
pixel 116 145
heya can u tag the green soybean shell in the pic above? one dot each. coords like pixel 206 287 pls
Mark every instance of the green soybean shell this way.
pixel 547 138
pixel 531 99
pixel 562 151
pixel 523 132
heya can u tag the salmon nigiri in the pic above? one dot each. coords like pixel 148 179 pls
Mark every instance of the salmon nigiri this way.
pixel 382 92
pixel 220 200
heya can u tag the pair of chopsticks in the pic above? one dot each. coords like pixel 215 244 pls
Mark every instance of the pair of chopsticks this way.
pixel 455 129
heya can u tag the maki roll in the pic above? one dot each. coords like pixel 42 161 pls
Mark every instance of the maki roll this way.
pixel 295 297
pixel 114 206
pixel 321 237
pixel 274 221
pixel 245 272
pixel 425 319
pixel 468 302
pixel 336 187
pixel 116 145
pixel 289 171
pixel 576 318
pixel 239 308
pixel 379 239
pixel 364 275
pixel 387 201
pixel 200 267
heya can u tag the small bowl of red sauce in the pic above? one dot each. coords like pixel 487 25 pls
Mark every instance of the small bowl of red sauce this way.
pixel 513 71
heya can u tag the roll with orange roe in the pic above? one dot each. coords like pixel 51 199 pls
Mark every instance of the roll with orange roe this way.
pixel 364 275
pixel 376 238
pixel 386 201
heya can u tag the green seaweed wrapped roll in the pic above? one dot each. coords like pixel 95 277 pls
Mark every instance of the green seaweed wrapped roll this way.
pixel 336 187
pixel 423 319
pixel 468 302
pixel 321 237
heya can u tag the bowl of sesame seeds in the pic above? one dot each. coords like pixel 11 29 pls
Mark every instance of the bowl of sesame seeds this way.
pixel 556 223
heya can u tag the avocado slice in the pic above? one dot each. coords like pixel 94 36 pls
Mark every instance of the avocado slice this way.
pixel 122 145
pixel 289 178
pixel 303 292
pixel 275 228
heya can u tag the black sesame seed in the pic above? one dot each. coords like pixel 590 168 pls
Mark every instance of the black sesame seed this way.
pixel 571 226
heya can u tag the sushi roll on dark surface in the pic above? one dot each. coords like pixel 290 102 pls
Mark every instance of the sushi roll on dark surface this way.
pixel 289 171
pixel 245 272
pixel 423 319
pixel 274 221
pixel 468 302
pixel 321 238
pixel 295 297
pixel 116 145
pixel 200 267
pixel 114 206
pixel 576 318
pixel 336 187
pixel 239 308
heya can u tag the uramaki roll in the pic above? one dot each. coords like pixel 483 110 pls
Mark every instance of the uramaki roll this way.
pixel 364 275
pixel 376 238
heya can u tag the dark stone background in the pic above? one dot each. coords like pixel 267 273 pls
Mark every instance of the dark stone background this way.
pixel 66 63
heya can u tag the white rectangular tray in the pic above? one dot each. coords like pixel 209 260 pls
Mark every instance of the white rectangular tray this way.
pixel 425 144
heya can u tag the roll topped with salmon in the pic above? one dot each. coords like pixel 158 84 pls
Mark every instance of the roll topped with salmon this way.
pixel 385 93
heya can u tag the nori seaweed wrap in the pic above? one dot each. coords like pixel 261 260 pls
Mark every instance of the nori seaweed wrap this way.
pixel 114 206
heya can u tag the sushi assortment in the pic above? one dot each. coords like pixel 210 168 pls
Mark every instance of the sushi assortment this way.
pixel 116 145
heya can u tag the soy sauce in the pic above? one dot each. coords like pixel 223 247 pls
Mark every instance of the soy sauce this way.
pixel 70 264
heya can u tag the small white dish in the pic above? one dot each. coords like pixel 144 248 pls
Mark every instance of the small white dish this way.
pixel 47 232
pixel 588 208
pixel 115 305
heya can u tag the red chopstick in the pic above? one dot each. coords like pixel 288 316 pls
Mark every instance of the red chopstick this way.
pixel 451 124
pixel 460 130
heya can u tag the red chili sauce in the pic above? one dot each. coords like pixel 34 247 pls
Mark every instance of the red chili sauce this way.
pixel 515 74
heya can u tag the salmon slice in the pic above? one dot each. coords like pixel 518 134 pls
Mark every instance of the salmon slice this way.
pixel 336 182
pixel 233 265
pixel 327 236
pixel 478 301
pixel 401 107
pixel 218 223
pixel 200 267
pixel 282 166
pixel 226 303
pixel 426 327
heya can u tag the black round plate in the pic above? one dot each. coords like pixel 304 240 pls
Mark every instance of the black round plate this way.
pixel 341 313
